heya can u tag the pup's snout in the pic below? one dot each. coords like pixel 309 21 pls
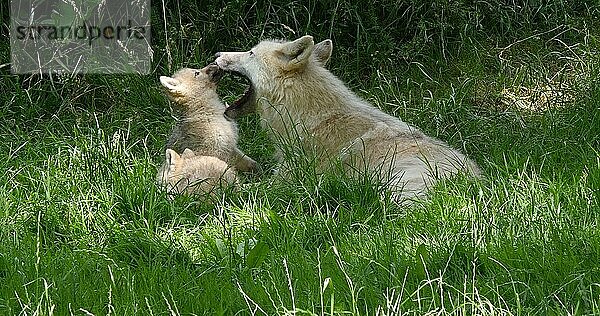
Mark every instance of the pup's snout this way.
pixel 218 54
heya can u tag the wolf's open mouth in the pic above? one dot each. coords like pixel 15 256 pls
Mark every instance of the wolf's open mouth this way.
pixel 244 101
pixel 245 98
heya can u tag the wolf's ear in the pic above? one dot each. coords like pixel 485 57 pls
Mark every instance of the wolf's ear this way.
pixel 322 51
pixel 297 52
pixel 187 153
pixel 171 158
pixel 169 83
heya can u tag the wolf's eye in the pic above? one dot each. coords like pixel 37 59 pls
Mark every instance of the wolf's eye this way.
pixel 196 74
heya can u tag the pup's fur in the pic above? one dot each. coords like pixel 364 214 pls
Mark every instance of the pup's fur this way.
pixel 293 91
pixel 188 173
pixel 202 125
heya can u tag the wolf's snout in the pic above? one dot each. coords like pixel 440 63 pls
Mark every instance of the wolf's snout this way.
pixel 218 54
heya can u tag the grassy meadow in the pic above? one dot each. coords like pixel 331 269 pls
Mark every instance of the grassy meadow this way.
pixel 84 229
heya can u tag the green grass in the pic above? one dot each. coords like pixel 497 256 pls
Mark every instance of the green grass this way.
pixel 85 230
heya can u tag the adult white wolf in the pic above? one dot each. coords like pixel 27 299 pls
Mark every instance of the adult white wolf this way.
pixel 297 97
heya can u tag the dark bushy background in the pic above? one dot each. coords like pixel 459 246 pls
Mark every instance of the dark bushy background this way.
pixel 379 35
pixel 369 35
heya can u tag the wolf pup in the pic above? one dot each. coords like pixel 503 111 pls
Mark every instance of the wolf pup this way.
pixel 188 173
pixel 202 126
pixel 293 90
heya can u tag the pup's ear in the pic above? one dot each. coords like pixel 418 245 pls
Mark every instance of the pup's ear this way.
pixel 171 158
pixel 297 52
pixel 322 51
pixel 187 153
pixel 169 83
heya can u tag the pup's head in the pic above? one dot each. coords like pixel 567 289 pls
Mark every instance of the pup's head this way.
pixel 172 168
pixel 189 173
pixel 188 82
pixel 271 59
